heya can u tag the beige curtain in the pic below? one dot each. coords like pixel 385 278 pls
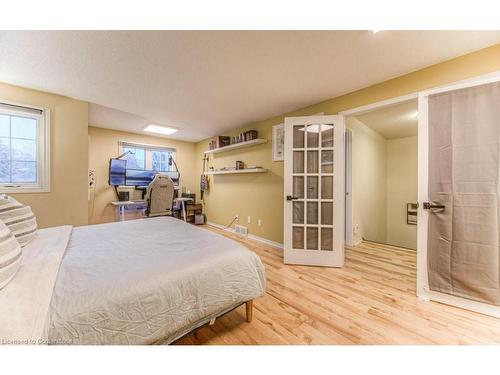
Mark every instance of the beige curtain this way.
pixel 463 243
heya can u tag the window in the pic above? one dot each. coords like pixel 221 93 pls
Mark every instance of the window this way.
pixel 149 158
pixel 24 149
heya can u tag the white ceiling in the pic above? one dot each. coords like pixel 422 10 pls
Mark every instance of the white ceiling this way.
pixel 396 121
pixel 208 82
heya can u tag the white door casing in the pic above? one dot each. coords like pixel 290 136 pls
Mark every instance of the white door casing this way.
pixel 314 191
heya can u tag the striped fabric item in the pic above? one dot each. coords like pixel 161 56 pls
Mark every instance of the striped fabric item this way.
pixel 18 218
pixel 10 255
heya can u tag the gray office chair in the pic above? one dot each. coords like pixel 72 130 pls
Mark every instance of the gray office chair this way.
pixel 160 196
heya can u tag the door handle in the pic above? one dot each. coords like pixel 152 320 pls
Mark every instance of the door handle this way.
pixel 430 206
pixel 291 198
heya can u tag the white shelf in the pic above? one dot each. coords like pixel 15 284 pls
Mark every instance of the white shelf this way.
pixel 235 146
pixel 238 171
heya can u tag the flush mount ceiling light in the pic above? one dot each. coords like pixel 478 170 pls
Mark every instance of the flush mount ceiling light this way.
pixel 153 128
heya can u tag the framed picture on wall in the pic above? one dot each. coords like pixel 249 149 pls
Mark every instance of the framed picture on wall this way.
pixel 279 142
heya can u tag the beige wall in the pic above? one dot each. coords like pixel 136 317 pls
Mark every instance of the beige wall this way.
pixel 103 145
pixel 66 203
pixel 401 189
pixel 262 195
pixel 258 195
pixel 369 183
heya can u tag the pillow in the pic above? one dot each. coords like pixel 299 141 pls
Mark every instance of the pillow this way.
pixel 10 255
pixel 18 218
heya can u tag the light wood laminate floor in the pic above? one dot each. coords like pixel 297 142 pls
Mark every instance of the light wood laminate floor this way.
pixel 371 300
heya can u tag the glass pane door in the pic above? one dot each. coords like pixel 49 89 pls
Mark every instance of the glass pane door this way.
pixel 313 187
pixel 310 168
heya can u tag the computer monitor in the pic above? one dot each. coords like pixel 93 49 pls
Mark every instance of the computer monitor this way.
pixel 138 177
pixel 117 172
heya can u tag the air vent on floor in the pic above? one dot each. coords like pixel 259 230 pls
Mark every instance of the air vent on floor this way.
pixel 241 230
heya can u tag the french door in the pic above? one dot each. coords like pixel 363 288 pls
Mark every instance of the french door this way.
pixel 459 200
pixel 314 191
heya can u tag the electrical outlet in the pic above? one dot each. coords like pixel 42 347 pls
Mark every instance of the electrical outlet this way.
pixel 259 222
pixel 249 219
pixel 356 228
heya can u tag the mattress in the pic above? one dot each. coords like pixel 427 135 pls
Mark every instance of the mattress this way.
pixel 147 281
pixel 134 282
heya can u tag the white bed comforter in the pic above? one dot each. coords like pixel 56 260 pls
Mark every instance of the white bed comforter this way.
pixel 24 302
pixel 146 281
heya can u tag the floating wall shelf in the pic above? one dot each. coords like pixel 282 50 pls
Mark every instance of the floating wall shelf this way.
pixel 235 146
pixel 238 171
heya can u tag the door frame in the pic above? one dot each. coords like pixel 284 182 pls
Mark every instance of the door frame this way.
pixel 422 276
pixel 423 291
pixel 349 215
pixel 348 186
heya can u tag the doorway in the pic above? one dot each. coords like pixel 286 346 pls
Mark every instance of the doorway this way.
pixel 381 204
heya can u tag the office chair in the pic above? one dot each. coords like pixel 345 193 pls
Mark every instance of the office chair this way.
pixel 159 196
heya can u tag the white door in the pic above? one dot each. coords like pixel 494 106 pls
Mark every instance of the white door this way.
pixel 314 191
pixel 458 177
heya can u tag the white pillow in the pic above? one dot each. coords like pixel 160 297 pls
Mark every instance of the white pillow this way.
pixel 10 255
pixel 19 219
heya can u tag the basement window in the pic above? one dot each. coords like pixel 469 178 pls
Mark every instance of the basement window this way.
pixel 24 149
pixel 143 157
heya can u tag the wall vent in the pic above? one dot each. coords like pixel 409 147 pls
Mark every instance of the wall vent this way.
pixel 241 230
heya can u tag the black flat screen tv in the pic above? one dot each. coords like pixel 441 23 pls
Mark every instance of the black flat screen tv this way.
pixel 117 172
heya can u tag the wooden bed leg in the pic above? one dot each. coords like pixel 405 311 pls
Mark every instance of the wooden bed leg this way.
pixel 249 308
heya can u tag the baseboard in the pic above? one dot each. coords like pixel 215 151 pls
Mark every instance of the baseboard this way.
pixel 356 243
pixel 249 236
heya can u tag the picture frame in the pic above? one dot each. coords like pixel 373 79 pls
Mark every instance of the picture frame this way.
pixel 278 139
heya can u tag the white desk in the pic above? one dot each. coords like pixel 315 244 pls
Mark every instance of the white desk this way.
pixel 120 205
pixel 183 204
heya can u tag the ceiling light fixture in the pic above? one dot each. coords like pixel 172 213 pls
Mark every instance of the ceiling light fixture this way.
pixel 153 128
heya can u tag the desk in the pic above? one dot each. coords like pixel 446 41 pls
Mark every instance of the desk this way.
pixel 120 205
pixel 183 204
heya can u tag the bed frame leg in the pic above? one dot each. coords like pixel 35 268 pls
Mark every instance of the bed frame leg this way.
pixel 249 308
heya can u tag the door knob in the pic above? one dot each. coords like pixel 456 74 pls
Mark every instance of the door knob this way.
pixel 430 206
pixel 291 198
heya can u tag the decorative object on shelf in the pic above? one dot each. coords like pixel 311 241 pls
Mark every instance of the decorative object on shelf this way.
pixel 222 141
pixel 279 142
pixel 251 135
pixel 253 142
pixel 232 170
pixel 411 213
pixel 239 165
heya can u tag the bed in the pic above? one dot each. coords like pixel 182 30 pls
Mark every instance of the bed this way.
pixel 135 282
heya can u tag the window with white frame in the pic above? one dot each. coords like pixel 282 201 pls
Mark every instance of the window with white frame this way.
pixel 24 148
pixel 148 157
